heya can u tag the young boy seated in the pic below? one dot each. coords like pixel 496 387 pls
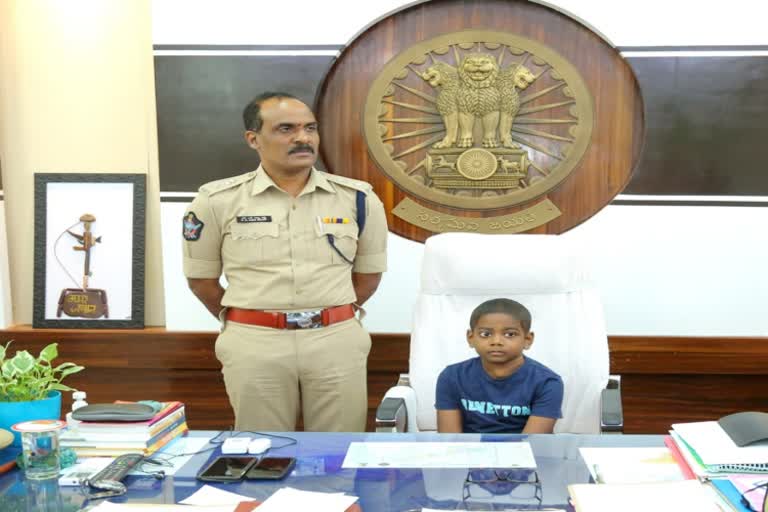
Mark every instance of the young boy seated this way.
pixel 501 390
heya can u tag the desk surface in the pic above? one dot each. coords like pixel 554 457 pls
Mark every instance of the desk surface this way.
pixel 318 468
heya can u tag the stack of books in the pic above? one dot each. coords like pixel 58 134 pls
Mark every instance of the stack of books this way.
pixel 709 449
pixel 731 454
pixel 110 439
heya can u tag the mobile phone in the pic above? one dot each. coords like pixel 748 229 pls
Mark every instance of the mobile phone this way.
pixel 270 468
pixel 226 469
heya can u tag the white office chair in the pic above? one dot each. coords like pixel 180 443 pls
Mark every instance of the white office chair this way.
pixel 545 273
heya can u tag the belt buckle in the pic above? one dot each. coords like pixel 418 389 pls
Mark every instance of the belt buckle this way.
pixel 304 319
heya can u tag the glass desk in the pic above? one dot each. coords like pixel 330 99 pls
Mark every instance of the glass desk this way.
pixel 318 468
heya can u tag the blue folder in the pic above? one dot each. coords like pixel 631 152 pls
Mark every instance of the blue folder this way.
pixel 729 492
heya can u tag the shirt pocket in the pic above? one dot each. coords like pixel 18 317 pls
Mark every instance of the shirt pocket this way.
pixel 344 238
pixel 253 242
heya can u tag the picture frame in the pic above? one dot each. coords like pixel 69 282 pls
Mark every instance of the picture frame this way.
pixel 89 251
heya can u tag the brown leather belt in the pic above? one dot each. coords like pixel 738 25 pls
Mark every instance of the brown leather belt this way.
pixel 297 320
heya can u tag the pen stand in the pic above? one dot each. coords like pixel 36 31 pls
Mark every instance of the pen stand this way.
pixel 83 303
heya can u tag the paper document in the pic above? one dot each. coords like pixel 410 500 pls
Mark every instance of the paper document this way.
pixel 631 465
pixel 288 498
pixel 715 447
pixel 656 497
pixel 208 495
pixel 505 510
pixel 439 455
pixel 107 506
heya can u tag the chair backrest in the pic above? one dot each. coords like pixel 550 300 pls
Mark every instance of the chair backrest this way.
pixel 547 274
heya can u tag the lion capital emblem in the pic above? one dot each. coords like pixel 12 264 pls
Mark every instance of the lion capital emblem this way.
pixel 478 89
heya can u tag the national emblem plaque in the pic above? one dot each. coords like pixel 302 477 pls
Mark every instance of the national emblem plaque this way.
pixel 495 116
pixel 478 119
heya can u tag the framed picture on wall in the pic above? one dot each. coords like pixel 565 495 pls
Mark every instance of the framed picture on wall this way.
pixel 89 250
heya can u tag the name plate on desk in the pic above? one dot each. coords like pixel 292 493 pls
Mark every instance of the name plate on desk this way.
pixel 439 455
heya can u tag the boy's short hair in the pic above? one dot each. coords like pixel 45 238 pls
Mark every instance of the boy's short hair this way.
pixel 506 306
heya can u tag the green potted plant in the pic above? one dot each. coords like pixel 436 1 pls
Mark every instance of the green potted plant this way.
pixel 30 387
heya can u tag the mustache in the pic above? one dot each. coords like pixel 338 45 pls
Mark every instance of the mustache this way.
pixel 301 147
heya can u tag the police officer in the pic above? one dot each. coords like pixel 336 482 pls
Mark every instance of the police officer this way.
pixel 302 250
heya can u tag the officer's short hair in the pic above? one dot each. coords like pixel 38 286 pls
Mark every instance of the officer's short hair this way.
pixel 506 306
pixel 252 112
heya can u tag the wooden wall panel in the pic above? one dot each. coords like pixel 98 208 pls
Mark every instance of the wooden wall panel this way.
pixel 664 380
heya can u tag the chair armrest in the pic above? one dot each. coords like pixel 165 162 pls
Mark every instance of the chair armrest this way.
pixel 397 411
pixel 391 416
pixel 611 412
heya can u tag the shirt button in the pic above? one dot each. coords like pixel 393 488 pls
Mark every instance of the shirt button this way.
pixel 293 207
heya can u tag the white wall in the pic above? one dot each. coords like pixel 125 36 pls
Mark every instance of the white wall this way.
pixel 307 22
pixel 76 96
pixel 6 313
pixel 662 270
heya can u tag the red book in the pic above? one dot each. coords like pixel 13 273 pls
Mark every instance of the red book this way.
pixel 675 451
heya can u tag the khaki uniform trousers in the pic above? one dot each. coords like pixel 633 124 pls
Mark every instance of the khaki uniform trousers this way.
pixel 270 373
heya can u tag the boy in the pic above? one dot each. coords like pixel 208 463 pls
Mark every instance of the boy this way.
pixel 501 391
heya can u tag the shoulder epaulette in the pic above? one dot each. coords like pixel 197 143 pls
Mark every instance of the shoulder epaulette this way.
pixel 362 186
pixel 214 187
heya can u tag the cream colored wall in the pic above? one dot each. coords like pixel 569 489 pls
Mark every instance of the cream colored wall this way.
pixel 76 95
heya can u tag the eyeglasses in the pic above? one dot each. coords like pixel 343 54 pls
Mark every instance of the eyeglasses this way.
pixel 749 501
pixel 513 484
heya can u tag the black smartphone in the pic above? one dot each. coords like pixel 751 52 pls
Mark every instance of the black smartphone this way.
pixel 226 469
pixel 271 468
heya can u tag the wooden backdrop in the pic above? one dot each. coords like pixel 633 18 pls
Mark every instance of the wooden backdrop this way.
pixel 664 380
pixel 618 126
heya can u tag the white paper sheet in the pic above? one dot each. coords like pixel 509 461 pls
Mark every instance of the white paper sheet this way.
pixel 631 465
pixel 208 495
pixel 439 455
pixel 288 498
pixel 107 506
pixel 656 497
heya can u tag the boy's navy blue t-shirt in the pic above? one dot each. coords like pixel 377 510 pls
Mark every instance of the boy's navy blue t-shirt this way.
pixel 499 405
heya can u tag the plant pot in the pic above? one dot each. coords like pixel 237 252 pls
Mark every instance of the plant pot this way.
pixel 16 412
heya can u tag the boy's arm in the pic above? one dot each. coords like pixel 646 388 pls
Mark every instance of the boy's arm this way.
pixel 546 408
pixel 447 404
pixel 536 425
pixel 449 421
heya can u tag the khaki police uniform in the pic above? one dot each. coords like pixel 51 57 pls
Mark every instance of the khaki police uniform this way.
pixel 274 251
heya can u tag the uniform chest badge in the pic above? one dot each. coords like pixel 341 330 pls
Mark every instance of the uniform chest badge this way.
pixel 192 227
pixel 335 220
pixel 254 218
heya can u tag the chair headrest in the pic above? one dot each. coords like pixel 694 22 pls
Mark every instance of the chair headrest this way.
pixel 480 264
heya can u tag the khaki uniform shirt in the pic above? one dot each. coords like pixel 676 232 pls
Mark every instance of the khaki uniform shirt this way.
pixel 272 247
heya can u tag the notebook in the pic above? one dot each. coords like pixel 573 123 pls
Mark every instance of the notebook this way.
pixel 717 452
pixel 686 495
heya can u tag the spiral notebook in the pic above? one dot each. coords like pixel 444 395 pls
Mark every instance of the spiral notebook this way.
pixel 717 452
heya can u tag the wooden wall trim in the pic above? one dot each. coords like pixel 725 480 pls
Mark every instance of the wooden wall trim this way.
pixel 688 355
pixel 664 379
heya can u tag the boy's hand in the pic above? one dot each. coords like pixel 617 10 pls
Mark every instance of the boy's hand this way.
pixel 536 425
pixel 449 421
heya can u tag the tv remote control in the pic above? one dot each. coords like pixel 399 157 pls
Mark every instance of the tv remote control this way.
pixel 109 477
